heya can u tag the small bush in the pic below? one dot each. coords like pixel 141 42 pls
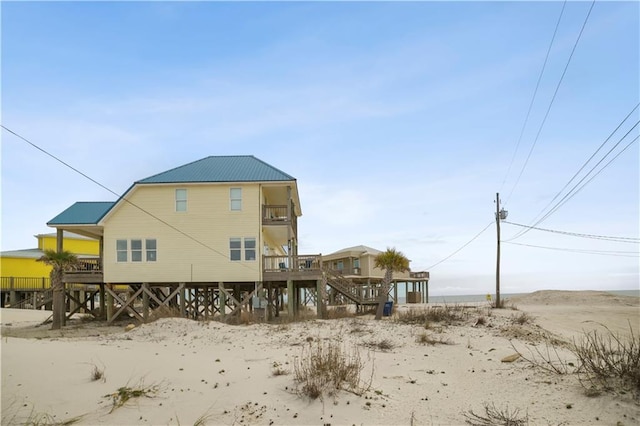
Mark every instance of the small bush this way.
pixel 547 359
pixel 447 314
pixel 327 367
pixel 384 345
pixel 426 339
pixel 609 362
pixel 97 374
pixel 496 417
pixel 504 304
pixel 522 319
pixel 126 393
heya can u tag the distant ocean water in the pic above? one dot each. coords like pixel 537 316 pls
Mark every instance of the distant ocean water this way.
pixel 469 298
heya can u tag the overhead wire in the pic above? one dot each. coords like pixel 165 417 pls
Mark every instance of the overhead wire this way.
pixel 578 187
pixel 533 98
pixel 121 197
pixel 616 253
pixel 463 246
pixel 553 98
pixel 631 240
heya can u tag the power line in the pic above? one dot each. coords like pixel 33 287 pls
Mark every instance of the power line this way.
pixel 577 188
pixel 120 197
pixel 615 253
pixel 555 93
pixel 631 240
pixel 533 98
pixel 458 250
pixel 589 159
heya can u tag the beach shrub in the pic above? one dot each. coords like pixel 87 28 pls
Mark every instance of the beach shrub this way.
pixel 494 416
pixel 522 318
pixel 126 393
pixel 609 362
pixel 384 345
pixel 326 367
pixel 446 314
pixel 427 339
pixel 547 359
pixel 97 373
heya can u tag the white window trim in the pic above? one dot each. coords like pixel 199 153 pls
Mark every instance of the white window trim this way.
pixel 185 201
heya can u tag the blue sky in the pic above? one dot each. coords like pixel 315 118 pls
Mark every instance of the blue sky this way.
pixel 399 121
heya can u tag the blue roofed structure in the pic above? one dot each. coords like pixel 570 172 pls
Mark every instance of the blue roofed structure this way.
pixel 239 168
pixel 82 213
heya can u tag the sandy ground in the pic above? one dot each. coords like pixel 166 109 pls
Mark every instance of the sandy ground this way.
pixel 224 374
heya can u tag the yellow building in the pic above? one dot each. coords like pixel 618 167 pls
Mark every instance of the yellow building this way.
pixel 22 267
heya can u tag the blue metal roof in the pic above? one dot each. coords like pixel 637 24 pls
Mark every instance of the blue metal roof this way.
pixel 83 213
pixel 238 168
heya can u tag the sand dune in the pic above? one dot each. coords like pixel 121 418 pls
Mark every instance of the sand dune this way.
pixel 224 374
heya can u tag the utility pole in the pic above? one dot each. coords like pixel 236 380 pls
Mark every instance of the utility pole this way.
pixel 501 214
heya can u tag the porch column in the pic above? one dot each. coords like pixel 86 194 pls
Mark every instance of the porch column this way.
pixel 59 240
pixel 290 298
pixel 223 299
pixel 320 295
pixel 103 303
pixel 145 301
pixel 109 303
pixel 182 301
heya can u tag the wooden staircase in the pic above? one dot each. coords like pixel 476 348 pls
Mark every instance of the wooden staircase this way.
pixel 347 288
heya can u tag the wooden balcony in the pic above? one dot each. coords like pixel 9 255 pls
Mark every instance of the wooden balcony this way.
pixel 420 275
pixel 88 271
pixel 278 215
pixel 301 267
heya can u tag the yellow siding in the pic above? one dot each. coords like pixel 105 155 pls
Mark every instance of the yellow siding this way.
pixel 21 267
pixel 74 245
pixel 208 219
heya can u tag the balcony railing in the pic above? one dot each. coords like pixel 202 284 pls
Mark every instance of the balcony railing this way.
pixel 275 215
pixel 87 265
pixel 311 262
pixel 421 274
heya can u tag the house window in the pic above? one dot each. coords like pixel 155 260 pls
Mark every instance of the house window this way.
pixel 340 265
pixel 235 249
pixel 236 199
pixel 150 246
pixel 181 200
pixel 356 263
pixel 121 250
pixel 136 250
pixel 249 249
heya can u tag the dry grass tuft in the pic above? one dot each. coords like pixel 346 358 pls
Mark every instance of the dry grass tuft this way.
pixel 384 345
pixel 496 417
pixel 609 362
pixel 126 393
pixel 326 367
pixel 522 319
pixel 447 314
pixel 13 415
pixel 547 359
pixel 97 373
pixel 427 339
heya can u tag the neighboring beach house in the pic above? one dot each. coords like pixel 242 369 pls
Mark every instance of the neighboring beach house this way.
pixel 217 231
pixel 20 270
pixel 358 265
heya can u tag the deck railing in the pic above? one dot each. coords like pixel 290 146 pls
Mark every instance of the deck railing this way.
pixel 87 265
pixel 308 262
pixel 24 283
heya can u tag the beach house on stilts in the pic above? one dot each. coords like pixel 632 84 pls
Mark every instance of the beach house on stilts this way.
pixel 217 236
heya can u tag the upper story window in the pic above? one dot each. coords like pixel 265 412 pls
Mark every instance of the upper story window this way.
pixel 181 200
pixel 136 250
pixel 249 249
pixel 122 250
pixel 236 199
pixel 132 250
pixel 235 249
pixel 151 249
